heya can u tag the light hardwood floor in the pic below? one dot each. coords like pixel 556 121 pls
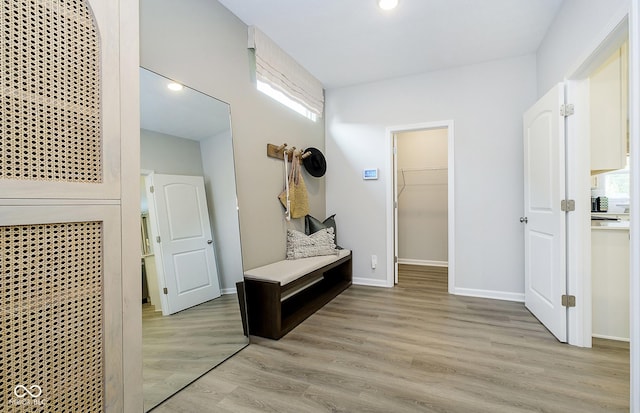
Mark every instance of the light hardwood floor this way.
pixel 414 348
pixel 179 348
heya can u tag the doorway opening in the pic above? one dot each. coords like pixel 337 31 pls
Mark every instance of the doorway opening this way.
pixel 421 198
pixel 598 178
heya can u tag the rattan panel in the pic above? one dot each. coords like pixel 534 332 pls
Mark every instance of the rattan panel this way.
pixel 50 118
pixel 51 318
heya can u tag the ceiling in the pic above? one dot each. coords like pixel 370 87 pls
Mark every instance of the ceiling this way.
pixel 346 42
pixel 186 114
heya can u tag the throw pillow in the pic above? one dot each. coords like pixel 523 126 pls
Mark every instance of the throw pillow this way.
pixel 312 225
pixel 300 245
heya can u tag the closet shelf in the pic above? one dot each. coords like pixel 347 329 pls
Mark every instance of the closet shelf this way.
pixel 434 168
pixel 425 169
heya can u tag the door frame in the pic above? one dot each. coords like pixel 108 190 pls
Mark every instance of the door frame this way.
pixel 157 251
pixel 392 196
pixel 579 184
pixel 580 317
pixel 634 150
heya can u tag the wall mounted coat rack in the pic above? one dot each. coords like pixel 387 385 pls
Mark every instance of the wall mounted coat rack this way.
pixel 277 151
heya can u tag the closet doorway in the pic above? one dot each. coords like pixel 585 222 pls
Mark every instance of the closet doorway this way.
pixel 423 198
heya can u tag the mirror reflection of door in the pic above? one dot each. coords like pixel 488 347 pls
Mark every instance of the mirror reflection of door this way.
pixel 180 222
pixel 187 155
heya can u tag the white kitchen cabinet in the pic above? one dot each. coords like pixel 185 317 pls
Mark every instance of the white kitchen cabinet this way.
pixel 610 282
pixel 608 113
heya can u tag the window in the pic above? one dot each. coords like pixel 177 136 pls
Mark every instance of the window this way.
pixel 279 76
pixel 615 186
pixel 285 100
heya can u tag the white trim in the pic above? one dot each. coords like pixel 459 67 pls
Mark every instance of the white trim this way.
pixel 602 46
pixel 578 159
pixel 580 318
pixel 370 282
pixel 494 295
pixel 610 337
pixel 634 136
pixel 579 222
pixel 228 291
pixel 390 132
pixel 154 226
pixel 426 263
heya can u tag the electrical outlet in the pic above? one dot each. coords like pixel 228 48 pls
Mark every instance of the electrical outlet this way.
pixel 374 262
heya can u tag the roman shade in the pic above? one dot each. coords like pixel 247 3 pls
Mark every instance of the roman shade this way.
pixel 279 70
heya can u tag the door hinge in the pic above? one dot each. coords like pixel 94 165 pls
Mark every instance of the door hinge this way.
pixel 567 205
pixel 568 300
pixel 395 260
pixel 158 239
pixel 566 110
pixel 164 290
pixel 152 189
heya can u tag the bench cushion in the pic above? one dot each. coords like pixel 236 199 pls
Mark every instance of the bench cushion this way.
pixel 286 271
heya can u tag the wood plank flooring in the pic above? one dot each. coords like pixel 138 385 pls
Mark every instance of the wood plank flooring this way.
pixel 414 348
pixel 177 349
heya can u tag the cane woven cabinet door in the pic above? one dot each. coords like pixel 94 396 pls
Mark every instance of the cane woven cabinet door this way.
pixel 60 232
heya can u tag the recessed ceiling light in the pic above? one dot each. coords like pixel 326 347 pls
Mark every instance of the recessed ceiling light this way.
pixel 175 86
pixel 387 4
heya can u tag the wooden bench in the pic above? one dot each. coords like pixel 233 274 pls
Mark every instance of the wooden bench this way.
pixel 281 295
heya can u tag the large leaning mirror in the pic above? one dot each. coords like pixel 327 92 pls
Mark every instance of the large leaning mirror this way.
pixel 190 237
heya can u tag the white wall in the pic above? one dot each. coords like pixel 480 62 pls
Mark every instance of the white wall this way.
pixel 203 45
pixel 577 29
pixel 220 185
pixel 422 197
pixel 486 103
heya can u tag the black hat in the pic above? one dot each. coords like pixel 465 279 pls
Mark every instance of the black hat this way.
pixel 315 163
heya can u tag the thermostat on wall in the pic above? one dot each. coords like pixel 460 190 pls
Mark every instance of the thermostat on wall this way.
pixel 370 173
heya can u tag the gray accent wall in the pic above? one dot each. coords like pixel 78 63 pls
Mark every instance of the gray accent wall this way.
pixel 203 45
pixel 219 182
pixel 167 154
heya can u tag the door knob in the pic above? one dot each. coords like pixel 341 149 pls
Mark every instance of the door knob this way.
pixel 210 241
pixel 524 220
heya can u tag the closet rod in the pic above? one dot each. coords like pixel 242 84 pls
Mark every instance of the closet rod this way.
pixel 434 168
pixel 404 184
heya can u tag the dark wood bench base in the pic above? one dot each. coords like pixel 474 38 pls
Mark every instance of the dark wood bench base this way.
pixel 274 310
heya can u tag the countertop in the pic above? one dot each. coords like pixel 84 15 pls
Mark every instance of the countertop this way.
pixel 610 225
pixel 620 221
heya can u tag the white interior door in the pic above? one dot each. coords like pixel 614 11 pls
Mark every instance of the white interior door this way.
pixel 544 222
pixel 186 245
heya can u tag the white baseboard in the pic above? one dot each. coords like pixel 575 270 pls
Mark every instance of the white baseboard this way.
pixel 610 337
pixel 370 282
pixel 495 295
pixel 226 291
pixel 426 263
